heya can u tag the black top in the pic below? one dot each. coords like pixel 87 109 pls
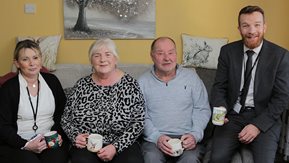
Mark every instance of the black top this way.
pixel 9 101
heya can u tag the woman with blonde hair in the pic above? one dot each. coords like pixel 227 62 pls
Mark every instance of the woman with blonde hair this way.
pixel 32 104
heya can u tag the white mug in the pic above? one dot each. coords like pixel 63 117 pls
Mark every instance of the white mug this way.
pixel 219 114
pixel 94 142
pixel 176 145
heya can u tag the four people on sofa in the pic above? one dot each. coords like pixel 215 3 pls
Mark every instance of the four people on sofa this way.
pixel 170 102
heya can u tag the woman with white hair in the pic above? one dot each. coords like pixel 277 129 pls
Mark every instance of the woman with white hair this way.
pixel 107 102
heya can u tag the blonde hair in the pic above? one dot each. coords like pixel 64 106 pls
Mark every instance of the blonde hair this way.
pixel 26 44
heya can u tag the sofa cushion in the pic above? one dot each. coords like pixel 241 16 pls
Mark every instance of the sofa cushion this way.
pixel 208 77
pixel 6 77
pixel 69 74
pixel 201 51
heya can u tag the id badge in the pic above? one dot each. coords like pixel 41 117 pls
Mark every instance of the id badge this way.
pixel 237 107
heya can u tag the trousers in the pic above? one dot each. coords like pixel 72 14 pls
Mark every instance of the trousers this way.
pixel 226 142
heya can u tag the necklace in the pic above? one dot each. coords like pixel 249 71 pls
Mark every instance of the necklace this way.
pixel 34 127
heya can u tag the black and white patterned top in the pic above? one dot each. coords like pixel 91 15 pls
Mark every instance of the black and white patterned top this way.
pixel 116 112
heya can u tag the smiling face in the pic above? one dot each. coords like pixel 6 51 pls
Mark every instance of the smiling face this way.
pixel 164 56
pixel 252 29
pixel 103 60
pixel 28 62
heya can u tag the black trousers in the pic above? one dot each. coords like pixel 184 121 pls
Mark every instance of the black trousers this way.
pixel 226 142
pixel 13 155
pixel 132 154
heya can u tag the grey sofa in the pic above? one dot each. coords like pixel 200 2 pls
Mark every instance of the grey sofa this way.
pixel 68 74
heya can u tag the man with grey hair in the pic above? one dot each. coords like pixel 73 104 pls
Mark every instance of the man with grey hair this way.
pixel 176 106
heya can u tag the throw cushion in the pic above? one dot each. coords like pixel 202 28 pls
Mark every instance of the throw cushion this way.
pixel 6 77
pixel 201 51
pixel 49 48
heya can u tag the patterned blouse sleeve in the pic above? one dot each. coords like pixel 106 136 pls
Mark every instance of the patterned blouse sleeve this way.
pixel 136 126
pixel 67 118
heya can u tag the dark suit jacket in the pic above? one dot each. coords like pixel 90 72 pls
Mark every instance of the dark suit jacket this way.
pixel 9 101
pixel 271 87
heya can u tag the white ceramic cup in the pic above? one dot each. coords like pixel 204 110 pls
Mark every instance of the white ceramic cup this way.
pixel 176 145
pixel 218 117
pixel 94 142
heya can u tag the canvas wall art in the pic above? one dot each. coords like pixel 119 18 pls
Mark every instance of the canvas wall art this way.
pixel 116 19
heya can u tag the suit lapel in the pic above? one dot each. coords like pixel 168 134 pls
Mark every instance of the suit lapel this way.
pixel 263 62
pixel 238 66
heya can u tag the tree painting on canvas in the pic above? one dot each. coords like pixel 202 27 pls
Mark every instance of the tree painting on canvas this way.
pixel 116 19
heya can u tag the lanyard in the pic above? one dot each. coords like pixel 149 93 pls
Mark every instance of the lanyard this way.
pixel 34 127
pixel 250 72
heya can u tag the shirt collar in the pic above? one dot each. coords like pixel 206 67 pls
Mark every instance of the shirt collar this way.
pixel 256 50
pixel 154 73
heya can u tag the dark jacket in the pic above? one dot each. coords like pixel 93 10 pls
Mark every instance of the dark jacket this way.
pixel 271 87
pixel 9 101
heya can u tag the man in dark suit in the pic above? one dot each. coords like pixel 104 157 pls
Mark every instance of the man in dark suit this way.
pixel 255 95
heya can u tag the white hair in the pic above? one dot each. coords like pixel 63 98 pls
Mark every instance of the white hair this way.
pixel 104 42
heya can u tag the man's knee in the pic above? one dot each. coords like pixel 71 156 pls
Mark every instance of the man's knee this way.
pixel 153 157
pixel 189 157
pixel 220 157
pixel 151 153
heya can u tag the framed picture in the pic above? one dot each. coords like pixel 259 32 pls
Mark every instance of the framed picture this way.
pixel 115 19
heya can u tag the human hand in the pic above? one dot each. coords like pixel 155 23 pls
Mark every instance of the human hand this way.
pixel 163 144
pixel 80 140
pixel 107 153
pixel 37 144
pixel 188 141
pixel 248 134
pixel 60 140
pixel 226 120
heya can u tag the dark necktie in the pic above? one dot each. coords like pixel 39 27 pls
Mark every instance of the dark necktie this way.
pixel 247 78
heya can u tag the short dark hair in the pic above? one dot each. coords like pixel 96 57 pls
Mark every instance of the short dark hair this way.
pixel 249 10
pixel 26 44
pixel 154 42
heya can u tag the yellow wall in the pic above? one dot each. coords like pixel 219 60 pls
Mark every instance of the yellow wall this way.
pixel 211 18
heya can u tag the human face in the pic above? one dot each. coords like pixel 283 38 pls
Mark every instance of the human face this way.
pixel 252 29
pixel 103 61
pixel 29 62
pixel 164 56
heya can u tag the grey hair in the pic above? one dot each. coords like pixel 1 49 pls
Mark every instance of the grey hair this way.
pixel 104 42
